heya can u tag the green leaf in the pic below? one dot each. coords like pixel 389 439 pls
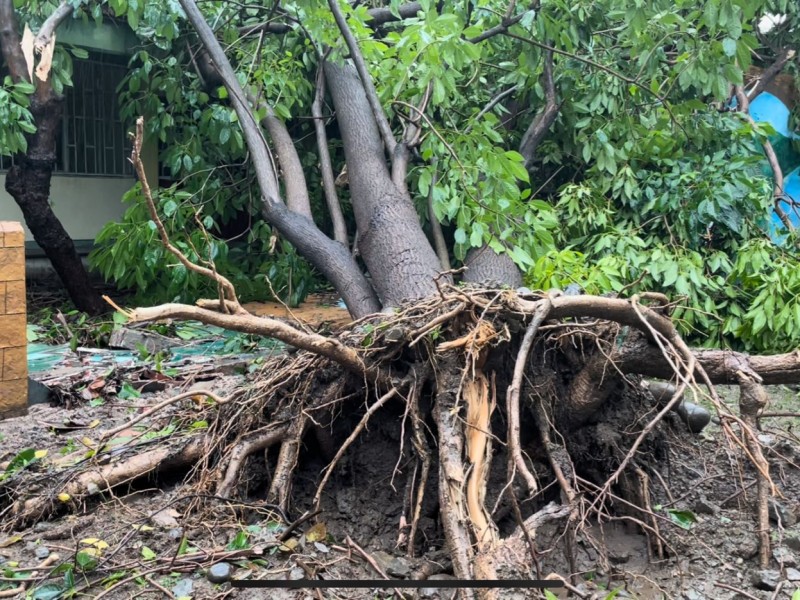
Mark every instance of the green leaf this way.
pixel 729 46
pixel 682 518
pixel 49 591
pixel 147 553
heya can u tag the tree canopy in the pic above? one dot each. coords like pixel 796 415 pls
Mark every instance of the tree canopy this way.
pixel 595 143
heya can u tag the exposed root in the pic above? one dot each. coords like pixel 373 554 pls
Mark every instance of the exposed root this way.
pixel 95 479
pixel 447 359
pixel 252 442
pixel 753 399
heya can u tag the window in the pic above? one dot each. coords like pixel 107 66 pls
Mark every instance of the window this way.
pixel 92 138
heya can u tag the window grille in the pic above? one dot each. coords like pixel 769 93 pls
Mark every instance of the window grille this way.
pixel 91 140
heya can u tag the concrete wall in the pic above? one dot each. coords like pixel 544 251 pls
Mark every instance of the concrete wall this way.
pixel 82 204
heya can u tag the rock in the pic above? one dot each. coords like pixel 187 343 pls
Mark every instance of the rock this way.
pixel 662 390
pixel 573 289
pixel 430 592
pixel 175 533
pixel 42 552
pixel 399 567
pixel 183 588
pixel 132 339
pixel 766 579
pixel 695 416
pixel 619 556
pixel 384 559
pixel 792 540
pixel 792 574
pixel 220 572
pixel 703 507
pixel 778 510
pixel 691 594
pixel 30 547
pixel 296 573
pixel 784 556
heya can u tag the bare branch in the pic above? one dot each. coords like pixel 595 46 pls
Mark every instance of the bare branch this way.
pixel 52 22
pixel 768 74
pixel 225 285
pixel 328 180
pixel 378 16
pixel 294 179
pixel 251 324
pixel 545 118
pixel 366 79
pixel 778 193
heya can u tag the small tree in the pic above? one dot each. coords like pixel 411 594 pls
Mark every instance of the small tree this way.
pixel 32 100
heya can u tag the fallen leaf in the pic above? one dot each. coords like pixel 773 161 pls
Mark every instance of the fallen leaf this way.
pixel 64 497
pixel 317 532
pixel 166 518
pixel 10 541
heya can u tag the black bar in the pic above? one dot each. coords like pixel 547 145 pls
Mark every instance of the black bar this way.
pixel 390 584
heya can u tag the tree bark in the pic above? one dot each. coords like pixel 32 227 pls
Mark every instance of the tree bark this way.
pixel 484 265
pixel 28 181
pixel 331 258
pixel 400 259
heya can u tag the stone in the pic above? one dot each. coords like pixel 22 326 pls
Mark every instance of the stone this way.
pixel 175 533
pixel 703 507
pixel 132 339
pixel 695 416
pixel 183 588
pixel 779 513
pixel 220 572
pixel 399 567
pixel 784 557
pixel 766 579
pixel 42 552
pixel 433 591
pixel 792 540
pixel 792 574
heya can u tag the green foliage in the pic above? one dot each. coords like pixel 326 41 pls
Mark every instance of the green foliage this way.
pixel 15 118
pixel 644 182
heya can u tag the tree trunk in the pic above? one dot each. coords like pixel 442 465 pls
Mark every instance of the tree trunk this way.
pixel 400 259
pixel 487 267
pixel 28 182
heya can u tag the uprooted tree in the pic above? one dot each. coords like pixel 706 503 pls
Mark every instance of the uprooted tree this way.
pixel 490 374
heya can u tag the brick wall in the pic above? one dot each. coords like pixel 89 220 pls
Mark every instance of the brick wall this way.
pixel 13 340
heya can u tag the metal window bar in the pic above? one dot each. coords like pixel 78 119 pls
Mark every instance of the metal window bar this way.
pixel 92 137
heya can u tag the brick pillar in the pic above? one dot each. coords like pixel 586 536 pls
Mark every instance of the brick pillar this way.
pixel 13 338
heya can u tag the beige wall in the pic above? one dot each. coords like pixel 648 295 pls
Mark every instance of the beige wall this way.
pixel 82 204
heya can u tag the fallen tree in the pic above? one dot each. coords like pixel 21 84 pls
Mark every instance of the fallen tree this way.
pixel 511 402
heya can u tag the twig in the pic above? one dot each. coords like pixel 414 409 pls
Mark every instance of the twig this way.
pixel 112 432
pixel 350 439
pixel 136 159
pixel 366 80
pixel 778 192
pixel 725 586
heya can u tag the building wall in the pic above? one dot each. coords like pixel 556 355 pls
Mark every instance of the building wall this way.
pixel 82 204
